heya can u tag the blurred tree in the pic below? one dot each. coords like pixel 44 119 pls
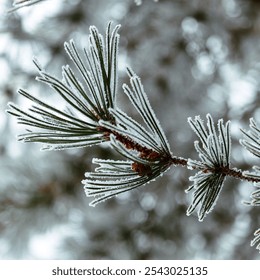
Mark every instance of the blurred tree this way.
pixel 194 57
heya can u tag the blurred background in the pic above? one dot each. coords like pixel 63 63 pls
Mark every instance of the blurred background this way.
pixel 194 57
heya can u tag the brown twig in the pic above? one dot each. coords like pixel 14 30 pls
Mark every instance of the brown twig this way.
pixel 149 154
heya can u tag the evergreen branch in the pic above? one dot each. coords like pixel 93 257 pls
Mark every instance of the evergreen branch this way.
pixel 92 117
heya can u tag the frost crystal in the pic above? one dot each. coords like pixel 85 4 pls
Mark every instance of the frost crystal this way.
pixel 214 153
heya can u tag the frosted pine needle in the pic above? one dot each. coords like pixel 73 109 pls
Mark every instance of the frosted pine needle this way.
pixel 77 126
pixel 214 152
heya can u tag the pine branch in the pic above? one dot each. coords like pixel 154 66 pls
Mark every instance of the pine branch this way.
pixel 92 116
